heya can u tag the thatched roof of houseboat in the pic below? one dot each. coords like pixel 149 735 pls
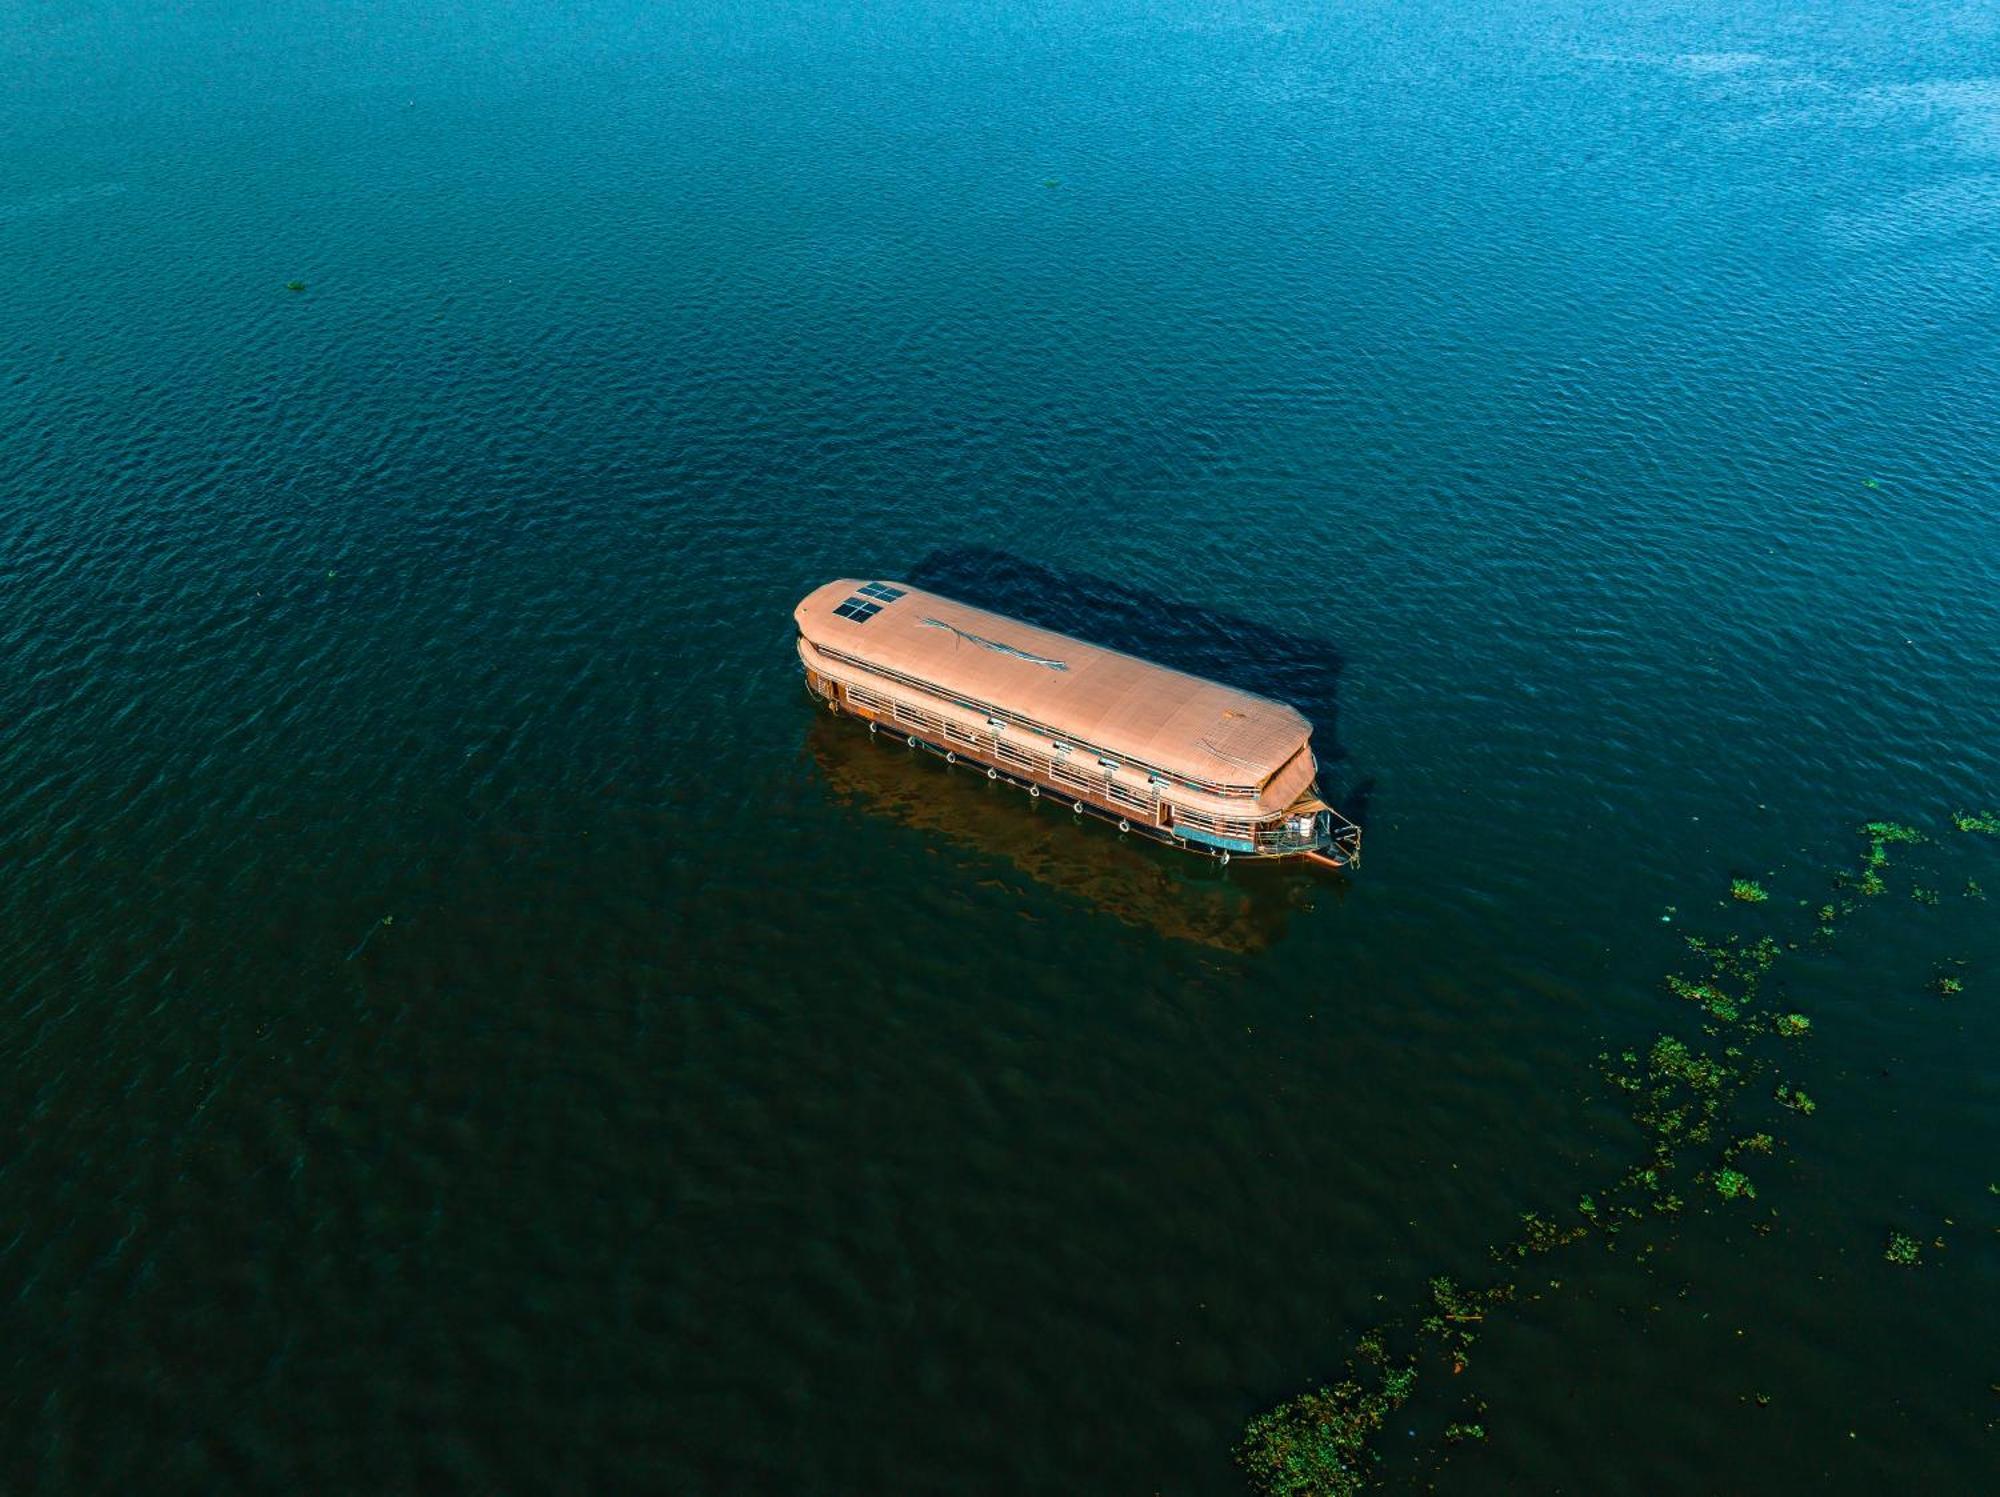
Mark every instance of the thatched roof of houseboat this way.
pixel 1116 702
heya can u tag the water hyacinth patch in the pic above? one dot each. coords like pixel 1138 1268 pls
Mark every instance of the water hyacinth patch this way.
pixel 1890 831
pixel 1706 994
pixel 1982 821
pixel 1733 1185
pixel 1681 1096
pixel 1316 1445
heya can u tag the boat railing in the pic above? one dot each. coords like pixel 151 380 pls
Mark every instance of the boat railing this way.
pixel 1341 836
pixel 1322 831
pixel 1289 836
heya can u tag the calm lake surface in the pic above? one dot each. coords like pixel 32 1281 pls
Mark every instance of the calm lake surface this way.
pixel 469 1025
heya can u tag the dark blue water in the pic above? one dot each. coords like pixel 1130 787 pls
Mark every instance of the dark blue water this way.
pixel 468 1025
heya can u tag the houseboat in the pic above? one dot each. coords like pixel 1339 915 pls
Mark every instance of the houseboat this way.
pixel 1161 753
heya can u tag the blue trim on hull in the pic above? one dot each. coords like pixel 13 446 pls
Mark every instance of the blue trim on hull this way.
pixel 1197 834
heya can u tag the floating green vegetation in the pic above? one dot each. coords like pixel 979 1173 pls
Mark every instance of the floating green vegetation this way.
pixel 1316 1445
pixel 1795 1098
pixel 1946 986
pixel 1456 1311
pixel 1733 1185
pixel 1983 821
pixel 1922 895
pixel 1671 1059
pixel 1973 889
pixel 1681 1092
pixel 1870 883
pixel 1890 831
pixel 1706 994
pixel 295 285
pixel 1902 1250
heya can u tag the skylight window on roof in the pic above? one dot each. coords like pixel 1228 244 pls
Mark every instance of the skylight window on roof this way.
pixel 883 591
pixel 858 609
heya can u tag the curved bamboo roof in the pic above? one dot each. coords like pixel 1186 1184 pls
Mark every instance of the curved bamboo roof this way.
pixel 1125 706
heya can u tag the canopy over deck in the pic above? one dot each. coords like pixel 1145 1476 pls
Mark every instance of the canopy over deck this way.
pixel 1125 706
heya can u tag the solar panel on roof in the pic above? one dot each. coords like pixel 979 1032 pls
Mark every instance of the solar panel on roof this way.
pixel 883 591
pixel 858 609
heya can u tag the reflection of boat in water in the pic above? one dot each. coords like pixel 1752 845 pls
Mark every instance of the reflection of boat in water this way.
pixel 1244 909
pixel 1162 753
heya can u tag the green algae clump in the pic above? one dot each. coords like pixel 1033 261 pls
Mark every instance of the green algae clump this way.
pixel 1458 1434
pixel 1982 821
pixel 1316 1445
pixel 1792 1026
pixel 1901 1251
pixel 295 286
pixel 1748 890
